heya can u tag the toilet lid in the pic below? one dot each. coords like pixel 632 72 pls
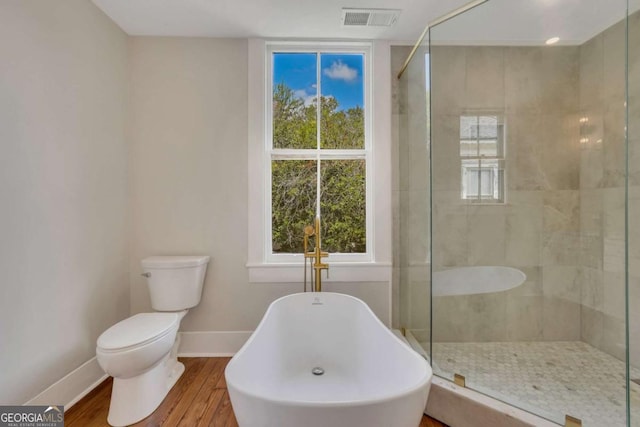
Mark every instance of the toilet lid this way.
pixel 137 330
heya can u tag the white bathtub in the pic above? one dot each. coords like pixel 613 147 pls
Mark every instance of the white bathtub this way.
pixel 371 378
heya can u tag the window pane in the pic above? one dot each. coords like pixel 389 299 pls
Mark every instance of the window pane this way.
pixel 488 147
pixel 343 205
pixel 486 182
pixel 468 127
pixel 469 148
pixel 342 101
pixel 294 100
pixel 488 127
pixel 293 202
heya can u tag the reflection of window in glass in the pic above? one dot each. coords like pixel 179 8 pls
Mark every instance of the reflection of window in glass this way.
pixel 482 158
pixel 318 150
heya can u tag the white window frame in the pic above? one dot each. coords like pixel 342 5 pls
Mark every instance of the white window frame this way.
pixel 375 264
pixel 478 163
pixel 318 154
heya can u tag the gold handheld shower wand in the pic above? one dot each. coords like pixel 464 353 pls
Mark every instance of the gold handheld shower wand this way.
pixel 316 254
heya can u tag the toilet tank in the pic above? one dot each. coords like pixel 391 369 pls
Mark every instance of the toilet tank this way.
pixel 175 282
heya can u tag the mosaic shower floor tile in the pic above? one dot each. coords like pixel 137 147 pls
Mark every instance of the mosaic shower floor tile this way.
pixel 550 379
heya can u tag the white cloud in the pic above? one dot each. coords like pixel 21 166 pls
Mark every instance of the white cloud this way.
pixel 341 71
pixel 302 94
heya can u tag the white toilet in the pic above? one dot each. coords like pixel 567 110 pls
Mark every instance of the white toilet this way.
pixel 140 352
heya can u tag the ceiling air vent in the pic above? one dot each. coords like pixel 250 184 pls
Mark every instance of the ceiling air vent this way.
pixel 369 17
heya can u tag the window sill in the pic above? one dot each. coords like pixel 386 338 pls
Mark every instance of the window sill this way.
pixel 338 272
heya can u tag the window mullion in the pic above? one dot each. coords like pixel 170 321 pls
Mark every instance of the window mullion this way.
pixel 318 121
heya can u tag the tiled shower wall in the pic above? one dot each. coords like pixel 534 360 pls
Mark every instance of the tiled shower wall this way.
pixel 536 230
pixel 562 223
pixel 634 188
pixel 602 190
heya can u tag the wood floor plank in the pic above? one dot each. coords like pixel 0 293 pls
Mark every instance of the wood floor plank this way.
pixel 224 414
pixel 95 410
pixel 222 382
pixel 199 398
pixel 163 415
pixel 212 407
pixel 194 412
pixel 188 398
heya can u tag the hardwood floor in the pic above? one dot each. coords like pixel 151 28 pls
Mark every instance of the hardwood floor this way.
pixel 199 398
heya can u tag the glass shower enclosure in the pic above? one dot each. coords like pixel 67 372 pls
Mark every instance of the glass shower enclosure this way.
pixel 517 194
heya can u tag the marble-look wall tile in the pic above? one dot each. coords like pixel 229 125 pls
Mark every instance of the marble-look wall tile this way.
pixel 561 319
pixel 613 145
pixel 398 55
pixel 613 206
pixel 524 318
pixel 562 282
pixel 524 166
pixel 488 317
pixel 634 80
pixel 634 321
pixel 614 294
pixel 591 251
pixel 591 150
pixel 560 248
pixel 448 76
pixel 419 299
pixel 532 285
pixel 449 231
pixel 592 73
pixel 560 150
pixel 634 232
pixel 415 86
pixel 613 254
pixel 418 227
pixel 445 152
pixel 486 238
pixel 592 288
pixel 561 210
pixel 523 228
pixel 634 155
pixel 451 320
pixel 592 326
pixel 541 79
pixel 522 239
pixel 614 63
pixel 613 337
pixel 591 212
pixel 419 166
pixel 486 93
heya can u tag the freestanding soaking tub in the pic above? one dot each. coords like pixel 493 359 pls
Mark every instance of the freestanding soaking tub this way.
pixel 325 360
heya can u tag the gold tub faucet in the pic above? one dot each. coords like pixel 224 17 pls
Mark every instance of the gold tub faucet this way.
pixel 316 254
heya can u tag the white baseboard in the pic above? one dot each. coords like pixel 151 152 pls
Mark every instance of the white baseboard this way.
pixel 212 343
pixel 72 387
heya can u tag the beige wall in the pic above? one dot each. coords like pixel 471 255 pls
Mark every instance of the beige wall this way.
pixel 189 177
pixel 63 171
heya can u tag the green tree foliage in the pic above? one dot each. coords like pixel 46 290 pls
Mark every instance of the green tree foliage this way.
pixel 343 184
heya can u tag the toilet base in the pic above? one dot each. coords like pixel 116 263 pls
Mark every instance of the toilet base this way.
pixel 135 398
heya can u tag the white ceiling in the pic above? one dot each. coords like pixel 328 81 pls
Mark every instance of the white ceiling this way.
pixel 508 21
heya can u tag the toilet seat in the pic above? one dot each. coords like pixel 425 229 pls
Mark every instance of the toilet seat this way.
pixel 138 331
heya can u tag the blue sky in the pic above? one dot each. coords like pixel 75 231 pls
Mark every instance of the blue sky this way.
pixel 341 76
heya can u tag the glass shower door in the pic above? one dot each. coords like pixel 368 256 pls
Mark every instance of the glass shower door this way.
pixel 528 185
